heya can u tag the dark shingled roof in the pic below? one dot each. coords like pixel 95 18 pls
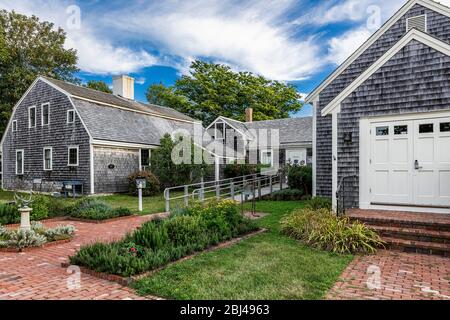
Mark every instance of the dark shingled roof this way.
pixel 114 124
pixel 102 97
pixel 291 130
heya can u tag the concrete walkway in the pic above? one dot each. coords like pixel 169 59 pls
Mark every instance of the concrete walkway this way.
pixel 38 275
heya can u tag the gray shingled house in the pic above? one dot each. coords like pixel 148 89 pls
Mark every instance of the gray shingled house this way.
pixel 291 142
pixel 61 132
pixel 382 119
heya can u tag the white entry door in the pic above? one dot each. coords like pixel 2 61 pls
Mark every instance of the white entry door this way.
pixel 410 162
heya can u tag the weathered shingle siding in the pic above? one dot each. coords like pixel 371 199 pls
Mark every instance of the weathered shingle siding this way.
pixel 438 26
pixel 417 79
pixel 114 180
pixel 58 135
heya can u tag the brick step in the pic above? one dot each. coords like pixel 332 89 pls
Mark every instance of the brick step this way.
pixel 404 224
pixel 433 248
pixel 413 234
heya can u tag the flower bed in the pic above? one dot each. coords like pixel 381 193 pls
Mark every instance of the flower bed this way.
pixel 160 242
pixel 38 236
pixel 93 210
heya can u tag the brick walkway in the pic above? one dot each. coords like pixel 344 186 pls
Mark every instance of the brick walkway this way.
pixel 403 276
pixel 38 274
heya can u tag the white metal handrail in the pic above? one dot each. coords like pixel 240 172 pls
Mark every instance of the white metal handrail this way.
pixel 219 188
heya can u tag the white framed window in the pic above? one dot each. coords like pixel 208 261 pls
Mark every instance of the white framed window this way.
pixel 32 117
pixel 14 126
pixel 19 162
pixel 145 155
pixel 72 155
pixel 70 116
pixel 48 158
pixel 267 157
pixel 45 116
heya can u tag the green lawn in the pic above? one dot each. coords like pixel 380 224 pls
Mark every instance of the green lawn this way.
pixel 155 204
pixel 267 266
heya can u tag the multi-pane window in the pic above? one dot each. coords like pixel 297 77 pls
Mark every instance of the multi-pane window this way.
pixel 32 117
pixel 48 161
pixel 267 157
pixel 46 114
pixel 73 156
pixel 70 116
pixel 19 162
pixel 145 158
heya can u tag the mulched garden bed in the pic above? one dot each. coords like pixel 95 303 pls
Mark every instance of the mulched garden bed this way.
pixel 45 245
pixel 126 281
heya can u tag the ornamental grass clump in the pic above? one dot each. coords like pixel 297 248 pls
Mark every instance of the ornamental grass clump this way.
pixel 159 242
pixel 323 230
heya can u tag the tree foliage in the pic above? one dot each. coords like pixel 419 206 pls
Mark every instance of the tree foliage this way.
pixel 170 173
pixel 99 86
pixel 213 90
pixel 28 48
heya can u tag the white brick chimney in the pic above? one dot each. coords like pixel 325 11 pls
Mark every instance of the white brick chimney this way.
pixel 123 86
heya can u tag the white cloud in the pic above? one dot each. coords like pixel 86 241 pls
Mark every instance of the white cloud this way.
pixel 340 48
pixel 249 36
pixel 96 54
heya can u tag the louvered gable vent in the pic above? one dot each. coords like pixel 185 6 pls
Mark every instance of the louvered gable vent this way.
pixel 418 22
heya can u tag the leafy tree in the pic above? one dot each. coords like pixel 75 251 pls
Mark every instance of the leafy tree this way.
pixel 28 48
pixel 212 90
pixel 171 173
pixel 99 86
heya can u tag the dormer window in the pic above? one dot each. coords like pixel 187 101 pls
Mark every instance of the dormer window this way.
pixel 70 116
pixel 32 117
pixel 417 22
pixel 46 114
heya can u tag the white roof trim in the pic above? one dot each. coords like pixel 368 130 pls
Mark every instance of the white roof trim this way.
pixel 14 110
pixel 430 4
pixel 414 34
pixel 225 119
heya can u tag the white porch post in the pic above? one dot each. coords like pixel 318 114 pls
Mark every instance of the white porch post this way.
pixel 217 163
pixel 335 158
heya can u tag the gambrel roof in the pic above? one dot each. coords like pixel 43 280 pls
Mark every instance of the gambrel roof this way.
pixel 430 4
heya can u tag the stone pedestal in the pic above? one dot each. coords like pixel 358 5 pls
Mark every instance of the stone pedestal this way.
pixel 25 218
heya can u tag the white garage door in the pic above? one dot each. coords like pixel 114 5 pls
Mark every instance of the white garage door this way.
pixel 410 162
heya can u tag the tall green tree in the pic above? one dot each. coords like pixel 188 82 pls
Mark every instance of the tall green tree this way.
pixel 99 86
pixel 213 90
pixel 29 48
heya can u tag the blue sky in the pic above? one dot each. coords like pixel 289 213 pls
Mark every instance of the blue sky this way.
pixel 296 41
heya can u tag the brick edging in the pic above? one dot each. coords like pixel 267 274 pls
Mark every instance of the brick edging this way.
pixel 45 245
pixel 55 219
pixel 126 281
pixel 102 221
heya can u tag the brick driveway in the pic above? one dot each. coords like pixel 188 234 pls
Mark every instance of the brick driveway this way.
pixel 402 276
pixel 38 274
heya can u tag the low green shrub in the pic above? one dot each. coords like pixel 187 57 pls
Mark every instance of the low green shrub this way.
pixel 300 177
pixel 323 230
pixel 318 203
pixel 153 185
pixel 40 207
pixel 59 207
pixel 285 195
pixel 9 214
pixel 158 242
pixel 59 233
pixel 95 209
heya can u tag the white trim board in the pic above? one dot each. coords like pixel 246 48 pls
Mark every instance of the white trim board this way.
pixel 414 34
pixel 432 5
